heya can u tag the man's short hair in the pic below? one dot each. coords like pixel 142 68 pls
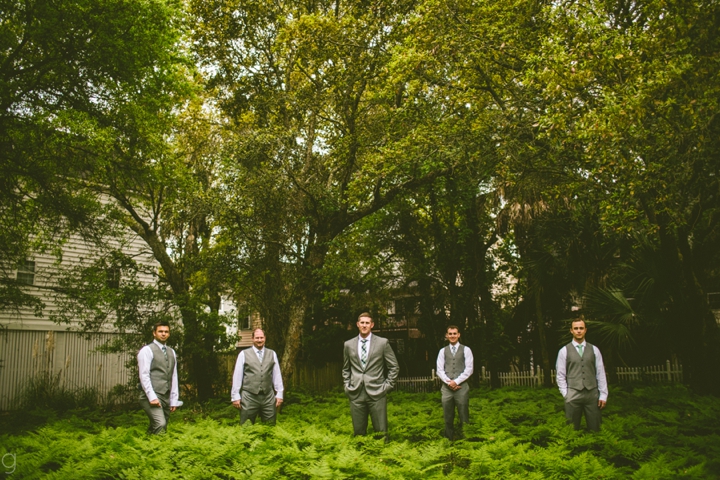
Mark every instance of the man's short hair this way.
pixel 161 323
pixel 365 314
pixel 452 327
pixel 253 334
pixel 578 319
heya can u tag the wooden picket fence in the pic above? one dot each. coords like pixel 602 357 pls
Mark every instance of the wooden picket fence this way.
pixel 668 373
pixel 329 377
pixel 318 379
pixel 523 379
pixel 418 384
pixel 429 384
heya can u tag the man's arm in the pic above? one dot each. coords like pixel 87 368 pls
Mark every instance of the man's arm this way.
pixel 144 357
pixel 560 371
pixel 237 379
pixel 174 388
pixel 391 363
pixel 277 382
pixel 469 367
pixel 346 365
pixel 440 367
pixel 601 378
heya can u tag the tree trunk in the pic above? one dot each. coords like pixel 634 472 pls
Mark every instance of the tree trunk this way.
pixel 303 304
pixel 194 348
pixel 693 322
pixel 544 354
pixel 292 342
pixel 199 364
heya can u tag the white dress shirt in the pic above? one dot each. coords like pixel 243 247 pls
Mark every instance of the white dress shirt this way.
pixel 145 358
pixel 464 375
pixel 561 369
pixel 240 371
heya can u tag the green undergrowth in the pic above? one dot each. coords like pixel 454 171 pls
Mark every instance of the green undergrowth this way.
pixel 648 433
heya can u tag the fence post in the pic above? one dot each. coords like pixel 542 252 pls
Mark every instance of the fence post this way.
pixel 669 374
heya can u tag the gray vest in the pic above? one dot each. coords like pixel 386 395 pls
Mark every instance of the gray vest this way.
pixel 256 377
pixel 161 369
pixel 581 372
pixel 454 366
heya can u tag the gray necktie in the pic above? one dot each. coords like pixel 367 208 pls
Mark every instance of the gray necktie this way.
pixel 580 349
pixel 453 349
pixel 260 355
pixel 363 352
pixel 164 349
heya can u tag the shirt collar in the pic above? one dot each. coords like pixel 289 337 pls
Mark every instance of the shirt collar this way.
pixel 575 344
pixel 256 350
pixel 368 338
pixel 158 343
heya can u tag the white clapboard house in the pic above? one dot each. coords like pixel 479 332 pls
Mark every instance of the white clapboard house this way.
pixel 32 346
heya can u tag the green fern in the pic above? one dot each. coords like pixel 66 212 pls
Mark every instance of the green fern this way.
pixel 653 432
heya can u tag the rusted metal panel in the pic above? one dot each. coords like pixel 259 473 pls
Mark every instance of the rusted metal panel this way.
pixel 68 358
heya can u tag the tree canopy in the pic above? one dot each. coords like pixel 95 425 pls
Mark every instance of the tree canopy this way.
pixel 503 166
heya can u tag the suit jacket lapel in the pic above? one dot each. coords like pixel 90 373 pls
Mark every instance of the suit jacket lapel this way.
pixel 354 354
pixel 372 352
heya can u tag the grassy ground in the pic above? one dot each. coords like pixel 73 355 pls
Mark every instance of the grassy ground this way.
pixel 653 432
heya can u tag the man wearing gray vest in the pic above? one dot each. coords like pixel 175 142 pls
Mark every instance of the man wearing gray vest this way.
pixel 581 379
pixel 157 365
pixel 369 373
pixel 257 386
pixel 454 367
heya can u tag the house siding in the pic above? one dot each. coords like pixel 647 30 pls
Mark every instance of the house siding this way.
pixel 75 252
pixel 32 347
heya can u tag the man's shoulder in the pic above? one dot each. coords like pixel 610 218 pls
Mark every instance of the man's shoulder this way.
pixel 150 347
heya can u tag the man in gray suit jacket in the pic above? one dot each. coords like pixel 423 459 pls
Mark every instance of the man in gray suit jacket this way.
pixel 369 373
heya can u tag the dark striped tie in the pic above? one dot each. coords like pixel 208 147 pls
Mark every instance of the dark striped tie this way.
pixel 363 353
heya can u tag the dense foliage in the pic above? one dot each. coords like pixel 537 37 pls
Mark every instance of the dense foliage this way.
pixel 657 432
pixel 494 164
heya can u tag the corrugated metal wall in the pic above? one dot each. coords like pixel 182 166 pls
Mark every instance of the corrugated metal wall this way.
pixel 71 357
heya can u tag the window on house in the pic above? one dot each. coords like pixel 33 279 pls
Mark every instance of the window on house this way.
pixel 245 323
pixel 714 300
pixel 26 273
pixel 112 277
